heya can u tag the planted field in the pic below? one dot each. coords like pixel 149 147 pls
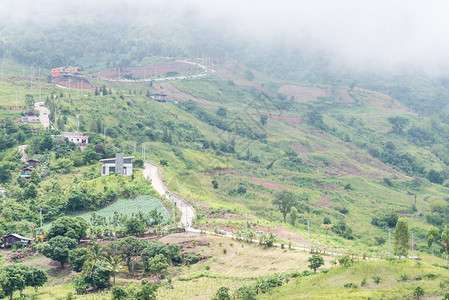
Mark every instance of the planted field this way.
pixel 127 207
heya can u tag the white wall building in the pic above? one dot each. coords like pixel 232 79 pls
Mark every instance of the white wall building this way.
pixel 120 165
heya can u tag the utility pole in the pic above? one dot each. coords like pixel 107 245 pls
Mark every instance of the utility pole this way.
pixel 16 98
pixel 104 135
pixel 389 244
pixel 246 224
pixel 134 146
pixel 40 213
pixel 308 236
pixel 413 240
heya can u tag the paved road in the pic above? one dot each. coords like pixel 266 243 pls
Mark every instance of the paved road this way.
pixel 22 149
pixel 43 114
pixel 150 172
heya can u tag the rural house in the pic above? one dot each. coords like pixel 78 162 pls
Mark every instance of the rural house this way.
pixel 75 137
pixel 26 172
pixel 33 162
pixel 120 165
pixel 12 239
pixel 159 97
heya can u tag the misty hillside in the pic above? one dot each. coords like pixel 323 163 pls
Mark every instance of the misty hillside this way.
pixel 259 136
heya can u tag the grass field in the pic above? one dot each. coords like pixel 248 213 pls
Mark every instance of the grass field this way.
pixel 398 280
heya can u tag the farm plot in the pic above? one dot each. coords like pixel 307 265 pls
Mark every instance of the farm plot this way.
pixel 127 207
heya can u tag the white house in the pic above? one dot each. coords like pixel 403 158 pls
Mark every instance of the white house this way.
pixel 120 165
pixel 75 137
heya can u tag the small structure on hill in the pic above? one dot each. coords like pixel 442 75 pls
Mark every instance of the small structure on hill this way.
pixel 62 71
pixel 159 97
pixel 26 172
pixel 12 239
pixel 76 137
pixel 120 164
pixel 33 162
pixel 30 119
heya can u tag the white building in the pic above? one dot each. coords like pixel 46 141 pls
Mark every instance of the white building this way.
pixel 75 137
pixel 120 165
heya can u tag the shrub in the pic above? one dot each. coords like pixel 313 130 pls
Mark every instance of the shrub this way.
pixel 222 294
pixel 350 285
pixel 377 279
pixel 192 259
pixel 364 280
pixel 119 293
pixel 418 292
pixel 403 277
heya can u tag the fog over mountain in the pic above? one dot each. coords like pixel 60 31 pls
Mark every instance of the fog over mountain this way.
pixel 368 35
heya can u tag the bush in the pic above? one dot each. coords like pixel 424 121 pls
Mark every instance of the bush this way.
pixel 119 293
pixel 192 258
pixel 350 285
pixel 377 279
pixel 80 284
pixel 222 294
pixel 404 277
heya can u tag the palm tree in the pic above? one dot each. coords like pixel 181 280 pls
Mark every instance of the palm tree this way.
pixel 95 253
pixel 115 264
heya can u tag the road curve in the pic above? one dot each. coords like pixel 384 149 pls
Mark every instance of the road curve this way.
pixel 43 114
pixel 150 172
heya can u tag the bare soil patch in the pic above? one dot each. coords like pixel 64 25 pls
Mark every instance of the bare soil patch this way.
pixel 221 171
pixel 300 148
pixel 325 201
pixel 311 93
pixel 144 71
pixel 288 119
pixel 269 184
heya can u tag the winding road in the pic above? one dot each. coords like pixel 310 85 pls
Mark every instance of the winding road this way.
pixel 43 114
pixel 150 172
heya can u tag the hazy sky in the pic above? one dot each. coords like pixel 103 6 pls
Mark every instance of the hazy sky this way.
pixel 369 33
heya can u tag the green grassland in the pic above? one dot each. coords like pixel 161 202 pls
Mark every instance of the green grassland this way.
pixel 330 285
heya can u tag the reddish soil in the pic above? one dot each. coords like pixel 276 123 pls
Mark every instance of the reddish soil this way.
pixel 144 71
pixel 300 148
pixel 257 193
pixel 269 184
pixel 312 93
pixel 288 119
pixel 324 201
pixel 75 83
pixel 220 171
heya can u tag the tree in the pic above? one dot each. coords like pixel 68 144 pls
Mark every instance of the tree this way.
pixel 128 248
pixel 316 261
pixel 115 265
pixel 38 278
pixel 74 228
pixel 401 238
pixel 398 123
pixel 221 111
pixel 35 178
pixel 293 215
pixel 263 120
pixel 58 248
pixel 46 142
pixel 445 242
pixel 215 183
pixel 147 291
pixel 418 292
pixel 14 279
pixel 134 226
pixel 284 201
pixel 431 236
pixel 157 264
pixel 77 258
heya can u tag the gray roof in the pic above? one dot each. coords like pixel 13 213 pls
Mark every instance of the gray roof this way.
pixel 17 236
